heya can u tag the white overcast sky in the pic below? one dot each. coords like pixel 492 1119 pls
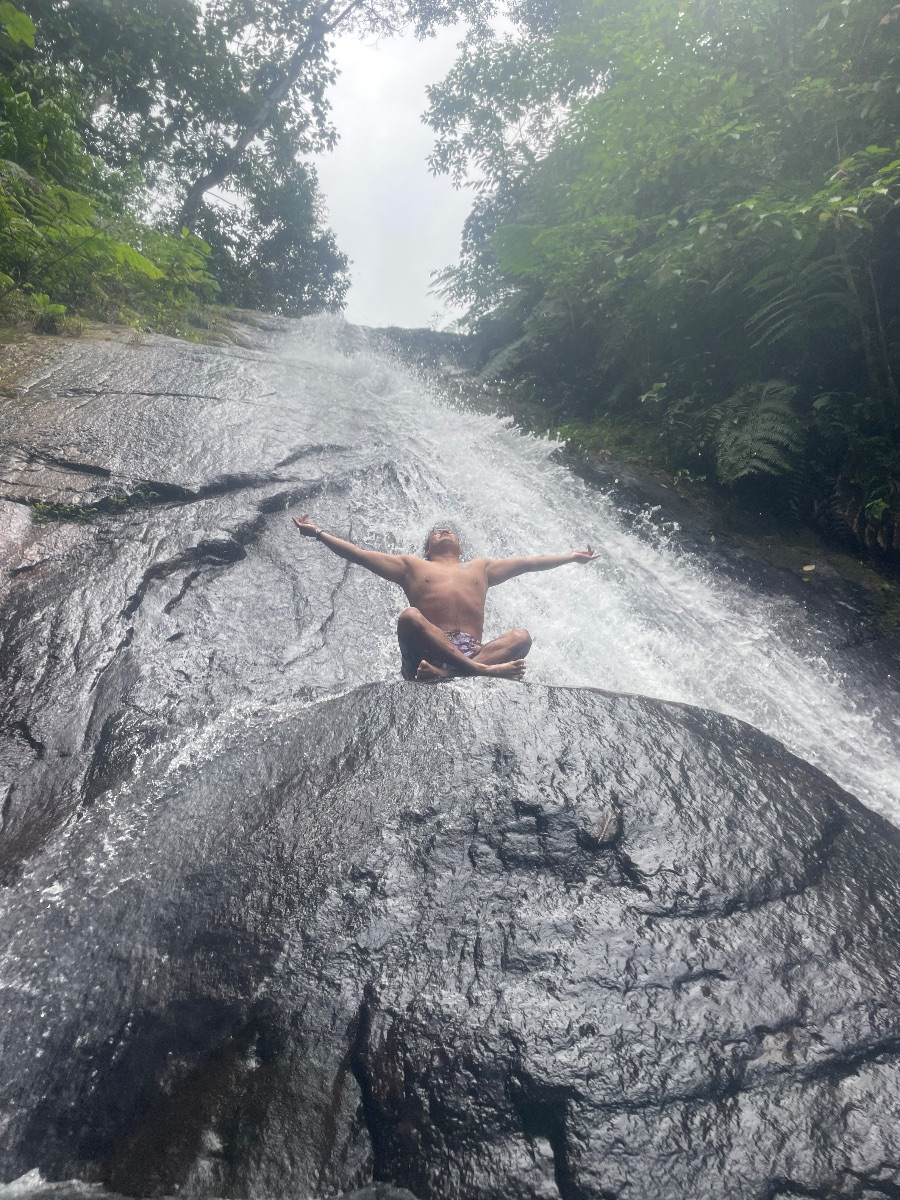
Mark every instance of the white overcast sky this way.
pixel 395 220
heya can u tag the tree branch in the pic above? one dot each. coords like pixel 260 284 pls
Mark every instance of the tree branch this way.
pixel 227 163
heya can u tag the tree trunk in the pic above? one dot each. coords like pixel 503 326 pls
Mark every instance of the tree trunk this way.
pixel 227 163
pixel 884 352
pixel 876 381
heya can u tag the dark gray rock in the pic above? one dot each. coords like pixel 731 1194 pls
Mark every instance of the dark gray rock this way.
pixel 33 1187
pixel 378 1191
pixel 172 591
pixel 478 941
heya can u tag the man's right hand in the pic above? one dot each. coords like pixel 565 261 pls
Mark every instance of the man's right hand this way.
pixel 305 526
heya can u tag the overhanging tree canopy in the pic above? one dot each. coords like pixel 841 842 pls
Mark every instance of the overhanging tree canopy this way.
pixel 714 215
pixel 179 101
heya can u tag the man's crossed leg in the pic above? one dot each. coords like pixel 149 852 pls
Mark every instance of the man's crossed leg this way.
pixel 429 655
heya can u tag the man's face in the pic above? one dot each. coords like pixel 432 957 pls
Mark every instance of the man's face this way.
pixel 441 539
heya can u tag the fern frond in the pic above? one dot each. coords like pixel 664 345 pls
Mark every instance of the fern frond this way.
pixel 506 360
pixel 807 296
pixel 758 432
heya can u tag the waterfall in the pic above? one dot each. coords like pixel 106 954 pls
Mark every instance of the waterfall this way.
pixel 648 617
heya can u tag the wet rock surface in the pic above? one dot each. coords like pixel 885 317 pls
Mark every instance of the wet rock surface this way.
pixel 475 941
pixel 273 926
pixel 170 589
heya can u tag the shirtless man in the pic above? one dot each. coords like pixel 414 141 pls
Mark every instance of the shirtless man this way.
pixel 440 633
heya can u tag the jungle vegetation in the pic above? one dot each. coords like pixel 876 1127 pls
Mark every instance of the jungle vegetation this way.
pixel 153 155
pixel 685 240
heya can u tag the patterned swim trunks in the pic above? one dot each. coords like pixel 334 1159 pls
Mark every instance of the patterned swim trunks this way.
pixel 467 643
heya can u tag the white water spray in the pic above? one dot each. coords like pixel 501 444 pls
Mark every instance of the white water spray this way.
pixel 645 618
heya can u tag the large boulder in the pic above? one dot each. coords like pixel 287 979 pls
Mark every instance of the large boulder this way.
pixel 478 941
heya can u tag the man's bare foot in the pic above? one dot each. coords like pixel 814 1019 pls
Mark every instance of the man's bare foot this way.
pixel 426 673
pixel 507 670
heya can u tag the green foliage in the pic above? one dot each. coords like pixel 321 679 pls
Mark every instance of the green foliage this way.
pixel 46 511
pixel 39 132
pixel 706 196
pixel 67 238
pixel 275 254
pixel 111 112
pixel 814 291
pixel 758 432
pixel 201 114
pixel 17 25
pixel 48 317
pixel 66 249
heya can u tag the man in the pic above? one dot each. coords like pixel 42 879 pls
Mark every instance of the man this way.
pixel 440 633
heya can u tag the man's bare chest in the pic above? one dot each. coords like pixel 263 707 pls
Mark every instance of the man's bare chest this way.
pixel 463 580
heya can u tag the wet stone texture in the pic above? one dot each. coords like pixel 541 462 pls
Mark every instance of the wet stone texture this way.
pixel 174 586
pixel 476 941
pixel 273 929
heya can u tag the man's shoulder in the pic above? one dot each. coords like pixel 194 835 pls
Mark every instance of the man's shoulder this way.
pixel 477 566
pixel 413 564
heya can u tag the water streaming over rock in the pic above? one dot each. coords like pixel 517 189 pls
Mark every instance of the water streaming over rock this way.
pixel 276 924
pixel 649 617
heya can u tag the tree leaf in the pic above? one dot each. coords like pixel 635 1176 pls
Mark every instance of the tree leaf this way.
pixel 18 25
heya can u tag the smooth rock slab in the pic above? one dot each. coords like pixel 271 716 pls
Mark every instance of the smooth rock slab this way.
pixel 482 941
pixel 33 1187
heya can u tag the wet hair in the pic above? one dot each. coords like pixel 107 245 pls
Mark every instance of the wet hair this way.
pixel 433 529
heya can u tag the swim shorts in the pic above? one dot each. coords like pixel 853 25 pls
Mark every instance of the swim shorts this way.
pixel 467 643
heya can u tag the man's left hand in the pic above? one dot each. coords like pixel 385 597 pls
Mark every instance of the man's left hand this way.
pixel 584 556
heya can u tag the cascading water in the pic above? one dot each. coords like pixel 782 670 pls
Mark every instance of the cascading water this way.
pixel 647 618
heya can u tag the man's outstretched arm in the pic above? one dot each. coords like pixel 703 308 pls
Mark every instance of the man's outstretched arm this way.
pixel 388 566
pixel 501 569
